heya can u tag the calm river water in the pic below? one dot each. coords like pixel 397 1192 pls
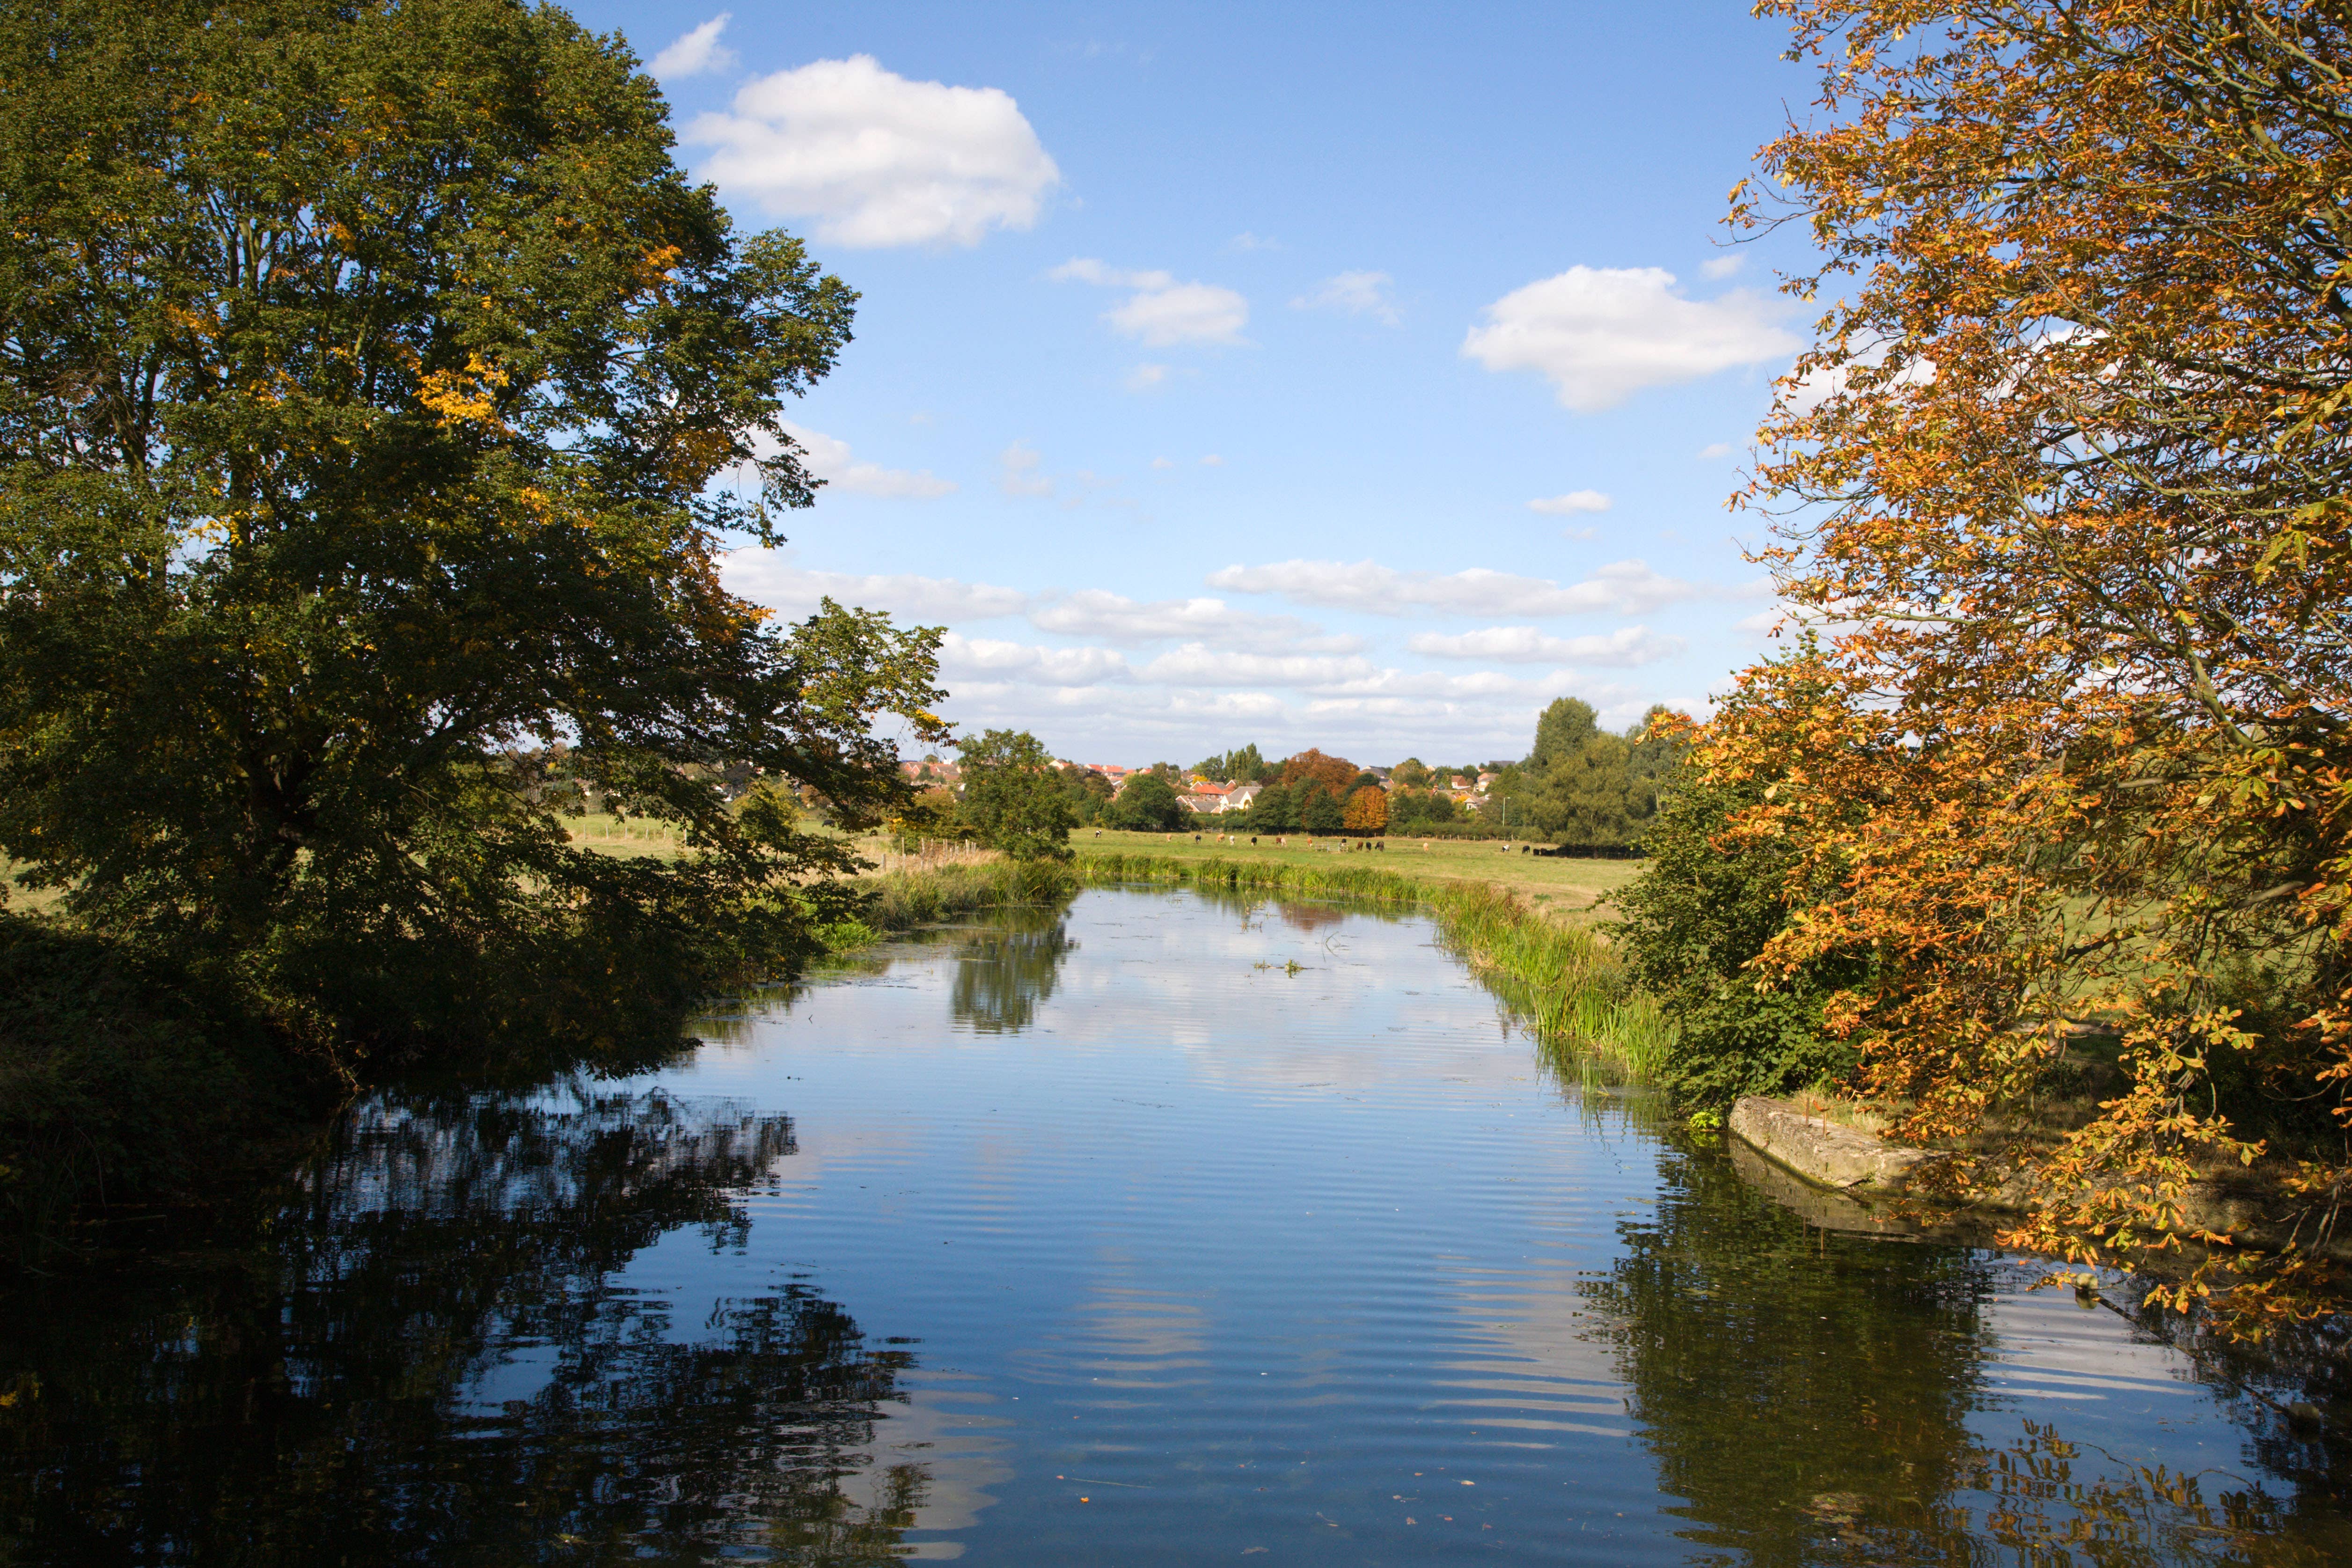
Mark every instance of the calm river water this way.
pixel 1164 1230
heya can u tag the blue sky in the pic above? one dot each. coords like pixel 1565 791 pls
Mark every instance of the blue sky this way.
pixel 1210 359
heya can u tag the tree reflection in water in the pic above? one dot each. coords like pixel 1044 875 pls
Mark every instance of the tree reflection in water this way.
pixel 433 1361
pixel 1807 1395
pixel 1007 971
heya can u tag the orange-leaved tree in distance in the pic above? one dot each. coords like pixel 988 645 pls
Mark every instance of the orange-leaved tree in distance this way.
pixel 1332 774
pixel 1367 811
pixel 2068 477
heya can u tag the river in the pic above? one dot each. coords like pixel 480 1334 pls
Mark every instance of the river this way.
pixel 1166 1229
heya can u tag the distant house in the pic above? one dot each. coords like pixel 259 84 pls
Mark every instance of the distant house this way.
pixel 1238 798
pixel 1206 804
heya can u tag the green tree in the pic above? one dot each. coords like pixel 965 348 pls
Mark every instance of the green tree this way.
pixel 1410 773
pixel 366 371
pixel 1415 808
pixel 934 813
pixel 1699 914
pixel 1087 793
pixel 1587 796
pixel 1275 810
pixel 1148 805
pixel 1567 725
pixel 1014 798
pixel 1322 813
pixel 1660 741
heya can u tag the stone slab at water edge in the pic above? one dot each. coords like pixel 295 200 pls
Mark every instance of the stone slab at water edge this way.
pixel 1823 1151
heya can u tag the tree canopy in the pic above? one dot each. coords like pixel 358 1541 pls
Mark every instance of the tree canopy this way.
pixel 1014 796
pixel 1146 803
pixel 1566 724
pixel 2067 472
pixel 366 371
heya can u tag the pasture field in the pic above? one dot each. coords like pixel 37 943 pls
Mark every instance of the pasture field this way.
pixel 1560 888
pixel 1568 889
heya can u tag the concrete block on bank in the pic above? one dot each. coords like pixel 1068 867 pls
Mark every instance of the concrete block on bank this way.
pixel 1823 1151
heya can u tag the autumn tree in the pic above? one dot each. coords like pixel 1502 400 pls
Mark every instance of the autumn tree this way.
pixel 1312 767
pixel 1367 811
pixel 366 372
pixel 2069 465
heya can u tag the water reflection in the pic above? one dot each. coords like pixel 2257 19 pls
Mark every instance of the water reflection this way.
pixel 1318 1262
pixel 1821 1397
pixel 432 1361
pixel 1006 971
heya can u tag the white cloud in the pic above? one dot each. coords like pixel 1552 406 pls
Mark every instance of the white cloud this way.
pixel 1197 665
pixel 766 578
pixel 1248 241
pixel 1021 477
pixel 1804 393
pixel 1113 617
pixel 1722 267
pixel 1714 449
pixel 1627 587
pixel 1358 293
pixel 1213 461
pixel 1163 462
pixel 1525 644
pixel 829 460
pixel 1161 311
pixel 1569 504
pixel 691 54
pixel 877 160
pixel 1601 334
pixel 1144 377
pixel 1030 663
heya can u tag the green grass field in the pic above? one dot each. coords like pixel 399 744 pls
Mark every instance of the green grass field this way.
pixel 1563 889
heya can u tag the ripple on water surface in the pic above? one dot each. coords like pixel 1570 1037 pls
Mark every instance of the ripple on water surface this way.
pixel 1168 1229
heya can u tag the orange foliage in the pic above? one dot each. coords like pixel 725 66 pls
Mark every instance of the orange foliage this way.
pixel 1367 811
pixel 1330 774
pixel 2076 446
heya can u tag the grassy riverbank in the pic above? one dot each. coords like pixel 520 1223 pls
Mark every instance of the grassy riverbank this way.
pixel 901 901
pixel 1562 973
pixel 1565 889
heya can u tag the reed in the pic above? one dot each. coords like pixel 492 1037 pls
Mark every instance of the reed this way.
pixel 1564 978
pixel 901 900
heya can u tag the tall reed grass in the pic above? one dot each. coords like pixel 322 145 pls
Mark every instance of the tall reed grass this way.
pixel 901 900
pixel 1565 978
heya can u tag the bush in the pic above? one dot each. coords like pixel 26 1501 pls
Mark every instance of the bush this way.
pixel 1702 908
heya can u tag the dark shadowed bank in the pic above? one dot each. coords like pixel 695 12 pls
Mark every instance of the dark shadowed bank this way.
pixel 140 1103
